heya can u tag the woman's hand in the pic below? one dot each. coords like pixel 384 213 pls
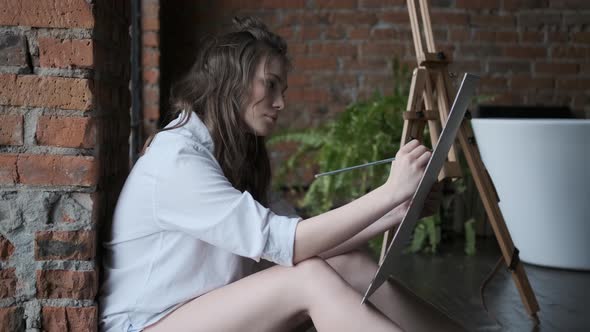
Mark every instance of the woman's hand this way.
pixel 407 169
pixel 431 205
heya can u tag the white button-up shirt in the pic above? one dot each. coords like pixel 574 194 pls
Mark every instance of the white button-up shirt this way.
pixel 180 229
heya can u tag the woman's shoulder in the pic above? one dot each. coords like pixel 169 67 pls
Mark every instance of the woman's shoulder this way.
pixel 187 130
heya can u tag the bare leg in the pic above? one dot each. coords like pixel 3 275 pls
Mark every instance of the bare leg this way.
pixel 267 300
pixel 393 299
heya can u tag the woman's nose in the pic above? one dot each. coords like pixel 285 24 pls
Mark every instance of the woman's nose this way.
pixel 279 102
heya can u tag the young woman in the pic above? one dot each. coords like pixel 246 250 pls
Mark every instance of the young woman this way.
pixel 193 217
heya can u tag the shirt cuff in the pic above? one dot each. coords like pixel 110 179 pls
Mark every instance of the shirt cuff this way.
pixel 281 239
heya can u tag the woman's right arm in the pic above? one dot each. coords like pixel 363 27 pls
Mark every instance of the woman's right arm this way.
pixel 325 231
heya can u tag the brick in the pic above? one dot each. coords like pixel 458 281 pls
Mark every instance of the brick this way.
pixel 37 91
pixel 55 170
pixel 525 52
pixel 557 37
pixel 493 83
pixel 151 96
pixel 268 4
pixel 352 18
pixel 47 13
pixel 445 18
pixel 8 282
pixel 316 95
pixel 150 9
pixel 73 132
pixel 472 66
pixel 578 19
pixel 305 18
pixel 380 4
pixel 388 49
pixel 311 33
pixel 395 17
pixel 150 24
pixel 74 245
pixel 503 67
pixel 315 63
pixel 151 76
pixel 570 4
pixel 11 130
pixel 13 49
pixel 336 4
pixel 337 32
pixel 287 32
pixel 12 319
pixel 70 319
pixel 366 63
pixel 297 48
pixel 478 4
pixel 359 33
pixel 493 21
pixel 459 35
pixel 334 79
pixel 333 49
pixel 8 173
pixel 539 20
pixel 581 37
pixel 402 34
pixel 556 68
pixel 525 82
pixel 54 284
pixel 532 37
pixel 6 249
pixel 525 4
pixel 151 112
pixel 570 52
pixel 575 84
pixel 485 50
pixel 150 39
pixel 66 53
pixel 297 80
pixel 442 3
pixel 496 36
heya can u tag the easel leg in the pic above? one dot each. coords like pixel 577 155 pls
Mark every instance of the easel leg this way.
pixel 490 201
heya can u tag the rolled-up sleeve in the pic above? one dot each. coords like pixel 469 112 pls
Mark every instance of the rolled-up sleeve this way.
pixel 191 195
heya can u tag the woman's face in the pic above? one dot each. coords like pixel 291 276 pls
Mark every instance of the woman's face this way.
pixel 266 98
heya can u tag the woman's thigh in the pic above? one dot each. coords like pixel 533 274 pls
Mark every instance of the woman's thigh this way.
pixel 401 305
pixel 263 301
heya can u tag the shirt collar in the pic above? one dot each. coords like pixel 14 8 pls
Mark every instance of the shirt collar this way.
pixel 194 129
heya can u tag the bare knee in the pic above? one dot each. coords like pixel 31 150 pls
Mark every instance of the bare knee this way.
pixel 356 267
pixel 355 260
pixel 315 273
pixel 312 267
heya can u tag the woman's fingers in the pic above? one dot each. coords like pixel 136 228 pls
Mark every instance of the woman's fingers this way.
pixel 423 159
pixel 411 145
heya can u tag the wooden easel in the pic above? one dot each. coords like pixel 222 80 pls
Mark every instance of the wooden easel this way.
pixel 430 83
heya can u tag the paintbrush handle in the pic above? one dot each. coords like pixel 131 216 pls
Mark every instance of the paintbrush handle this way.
pixel 355 167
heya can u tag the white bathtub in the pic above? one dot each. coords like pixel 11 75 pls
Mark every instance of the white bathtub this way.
pixel 541 170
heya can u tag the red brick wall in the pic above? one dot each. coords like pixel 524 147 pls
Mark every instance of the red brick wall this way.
pixel 528 52
pixel 64 126
pixel 150 63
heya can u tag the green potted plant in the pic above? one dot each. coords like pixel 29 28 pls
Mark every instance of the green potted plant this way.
pixel 368 130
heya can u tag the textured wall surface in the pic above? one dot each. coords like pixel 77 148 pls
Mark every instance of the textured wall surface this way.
pixel 64 125
pixel 150 63
pixel 528 52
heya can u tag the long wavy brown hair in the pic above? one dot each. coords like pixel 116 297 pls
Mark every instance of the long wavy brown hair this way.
pixel 217 88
